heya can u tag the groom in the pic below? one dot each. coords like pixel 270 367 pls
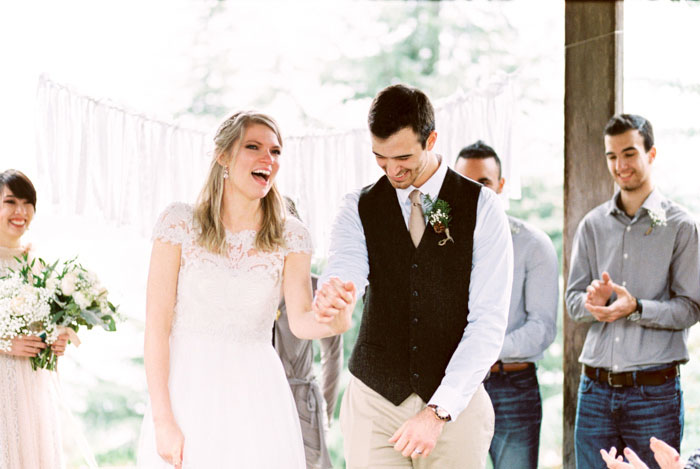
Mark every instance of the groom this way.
pixel 435 302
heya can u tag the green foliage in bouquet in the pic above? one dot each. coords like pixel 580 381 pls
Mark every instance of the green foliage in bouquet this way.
pixel 75 298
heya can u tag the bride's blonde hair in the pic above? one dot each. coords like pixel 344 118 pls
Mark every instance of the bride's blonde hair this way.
pixel 207 212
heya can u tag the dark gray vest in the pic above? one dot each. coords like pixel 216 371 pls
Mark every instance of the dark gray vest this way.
pixel 417 301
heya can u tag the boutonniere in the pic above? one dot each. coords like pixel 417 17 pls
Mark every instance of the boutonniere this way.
pixel 439 218
pixel 514 229
pixel 657 219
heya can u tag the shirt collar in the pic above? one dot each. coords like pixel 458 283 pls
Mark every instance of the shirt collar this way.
pixel 431 187
pixel 653 203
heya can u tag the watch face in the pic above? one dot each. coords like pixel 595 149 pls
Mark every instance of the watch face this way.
pixel 441 413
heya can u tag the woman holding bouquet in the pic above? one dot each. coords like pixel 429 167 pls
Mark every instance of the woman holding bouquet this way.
pixel 29 425
pixel 218 392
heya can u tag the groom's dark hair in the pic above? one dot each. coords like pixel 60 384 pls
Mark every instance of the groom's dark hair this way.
pixel 399 106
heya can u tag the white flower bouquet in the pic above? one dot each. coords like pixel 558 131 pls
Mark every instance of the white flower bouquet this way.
pixel 46 299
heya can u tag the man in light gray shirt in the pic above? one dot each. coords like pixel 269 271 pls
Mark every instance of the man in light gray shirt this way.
pixel 635 275
pixel 512 385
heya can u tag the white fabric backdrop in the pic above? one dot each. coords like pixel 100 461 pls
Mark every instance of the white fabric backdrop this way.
pixel 97 158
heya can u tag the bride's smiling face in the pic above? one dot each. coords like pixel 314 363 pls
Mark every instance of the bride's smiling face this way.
pixel 15 216
pixel 253 169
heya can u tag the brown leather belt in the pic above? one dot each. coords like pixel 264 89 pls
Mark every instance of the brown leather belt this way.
pixel 627 378
pixel 501 367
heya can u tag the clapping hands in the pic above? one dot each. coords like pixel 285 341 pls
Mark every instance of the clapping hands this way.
pixel 599 292
pixel 666 456
pixel 334 304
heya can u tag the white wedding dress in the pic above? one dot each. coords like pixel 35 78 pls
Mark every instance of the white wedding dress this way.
pixel 227 386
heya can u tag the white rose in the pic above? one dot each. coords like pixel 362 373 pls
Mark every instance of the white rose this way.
pixel 81 300
pixel 68 283
pixel 52 284
pixel 18 304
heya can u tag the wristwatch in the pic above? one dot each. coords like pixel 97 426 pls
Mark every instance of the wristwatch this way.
pixel 636 315
pixel 440 413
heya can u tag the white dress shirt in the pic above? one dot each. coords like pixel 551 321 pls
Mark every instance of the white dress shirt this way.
pixel 489 287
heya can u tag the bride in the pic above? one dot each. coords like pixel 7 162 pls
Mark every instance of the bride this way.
pixel 218 393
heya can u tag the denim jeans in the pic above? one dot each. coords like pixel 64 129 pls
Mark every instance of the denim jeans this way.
pixel 518 407
pixel 626 417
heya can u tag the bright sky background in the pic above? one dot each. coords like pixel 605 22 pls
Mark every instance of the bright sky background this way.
pixel 136 53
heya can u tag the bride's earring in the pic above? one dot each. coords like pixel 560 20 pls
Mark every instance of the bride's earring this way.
pixel 225 172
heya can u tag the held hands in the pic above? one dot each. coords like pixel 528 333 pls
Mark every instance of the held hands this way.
pixel 418 435
pixel 170 442
pixel 334 304
pixel 598 294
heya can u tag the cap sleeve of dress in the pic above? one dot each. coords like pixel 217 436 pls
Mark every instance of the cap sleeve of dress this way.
pixel 297 237
pixel 174 224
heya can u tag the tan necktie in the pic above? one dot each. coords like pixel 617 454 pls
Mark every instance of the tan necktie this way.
pixel 416 222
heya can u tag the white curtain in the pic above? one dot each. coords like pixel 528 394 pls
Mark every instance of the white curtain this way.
pixel 99 159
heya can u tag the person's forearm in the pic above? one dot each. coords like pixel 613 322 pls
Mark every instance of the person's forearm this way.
pixel 305 326
pixel 157 364
pixel 575 301
pixel 676 314
pixel 529 340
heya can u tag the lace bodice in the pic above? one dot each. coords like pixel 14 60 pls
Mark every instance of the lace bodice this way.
pixel 7 258
pixel 233 296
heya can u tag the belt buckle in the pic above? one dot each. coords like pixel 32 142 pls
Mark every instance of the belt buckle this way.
pixel 610 383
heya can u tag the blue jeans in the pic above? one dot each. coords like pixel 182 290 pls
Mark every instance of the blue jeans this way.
pixel 518 407
pixel 626 417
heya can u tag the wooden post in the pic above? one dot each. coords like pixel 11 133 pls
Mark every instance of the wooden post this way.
pixel 593 93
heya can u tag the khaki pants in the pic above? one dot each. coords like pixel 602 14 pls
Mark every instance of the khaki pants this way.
pixel 368 420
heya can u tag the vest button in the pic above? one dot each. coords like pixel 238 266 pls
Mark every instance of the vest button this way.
pixel 416 376
pixel 415 320
pixel 415 292
pixel 414 348
pixel 414 266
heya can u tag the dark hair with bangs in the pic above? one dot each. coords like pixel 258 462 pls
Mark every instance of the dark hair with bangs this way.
pixel 399 106
pixel 19 184
pixel 621 123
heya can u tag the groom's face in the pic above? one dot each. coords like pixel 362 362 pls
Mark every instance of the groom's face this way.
pixel 402 157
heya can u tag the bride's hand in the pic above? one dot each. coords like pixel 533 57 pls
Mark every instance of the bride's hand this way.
pixel 170 442
pixel 26 346
pixel 335 303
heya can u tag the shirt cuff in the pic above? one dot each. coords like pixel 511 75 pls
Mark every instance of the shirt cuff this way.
pixel 451 400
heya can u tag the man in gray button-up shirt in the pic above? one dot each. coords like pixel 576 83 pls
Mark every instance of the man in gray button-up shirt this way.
pixel 635 275
pixel 512 385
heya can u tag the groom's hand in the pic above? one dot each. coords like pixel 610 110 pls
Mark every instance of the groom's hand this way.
pixel 418 435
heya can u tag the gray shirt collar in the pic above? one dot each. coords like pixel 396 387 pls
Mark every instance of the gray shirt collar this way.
pixel 654 202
